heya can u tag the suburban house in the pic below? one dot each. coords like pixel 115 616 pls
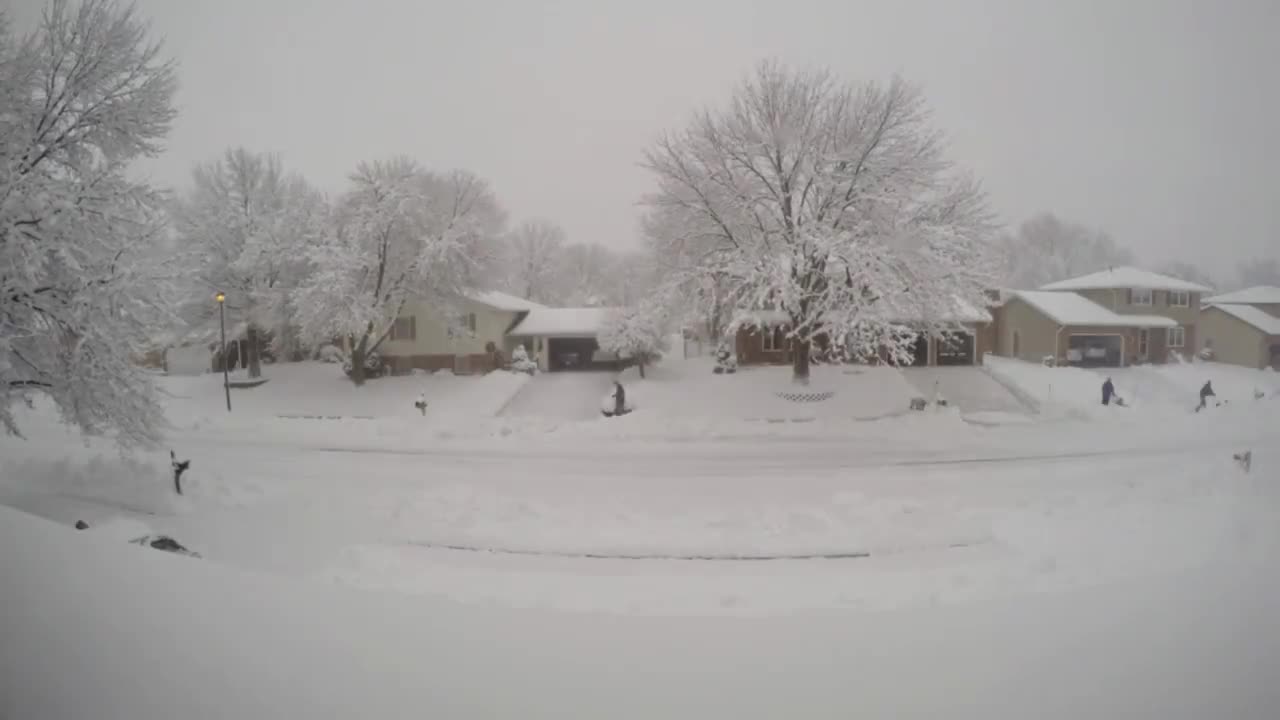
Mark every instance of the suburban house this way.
pixel 1113 317
pixel 470 337
pixel 480 331
pixel 1243 327
pixel 760 338
pixel 1073 330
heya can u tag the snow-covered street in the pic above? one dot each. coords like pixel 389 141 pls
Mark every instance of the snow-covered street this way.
pixel 794 528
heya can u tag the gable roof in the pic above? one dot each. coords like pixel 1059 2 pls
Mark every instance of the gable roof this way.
pixel 562 322
pixel 1126 277
pixel 1266 323
pixel 1256 295
pixel 1067 308
pixel 503 301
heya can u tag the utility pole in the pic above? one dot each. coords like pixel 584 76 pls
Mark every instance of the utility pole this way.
pixel 222 322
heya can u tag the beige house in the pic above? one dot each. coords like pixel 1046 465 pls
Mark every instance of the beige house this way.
pixel 470 337
pixel 1243 328
pixel 1073 330
pixel 1132 292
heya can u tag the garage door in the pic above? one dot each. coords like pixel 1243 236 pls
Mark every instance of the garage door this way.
pixel 955 349
pixel 1094 350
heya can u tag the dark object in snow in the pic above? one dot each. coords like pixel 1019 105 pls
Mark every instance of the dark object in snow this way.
pixel 1206 392
pixel 1258 394
pixel 919 403
pixel 82 525
pixel 1108 390
pixel 619 399
pixel 179 467
pixel 421 404
pixel 165 543
pixel 1244 459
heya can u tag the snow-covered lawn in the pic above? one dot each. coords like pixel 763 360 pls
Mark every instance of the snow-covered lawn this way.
pixel 674 557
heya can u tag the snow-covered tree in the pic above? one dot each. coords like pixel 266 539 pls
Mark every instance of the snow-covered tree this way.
pixel 830 202
pixel 251 226
pixel 1190 273
pixel 637 333
pixel 1258 271
pixel 1046 249
pixel 81 282
pixel 534 254
pixel 400 232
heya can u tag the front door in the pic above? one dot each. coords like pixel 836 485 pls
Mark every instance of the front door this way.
pixel 1144 342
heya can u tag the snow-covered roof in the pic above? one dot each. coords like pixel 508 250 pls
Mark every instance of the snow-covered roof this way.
pixel 1267 323
pixel 760 318
pixel 562 322
pixel 1067 308
pixel 1126 277
pixel 503 301
pixel 1256 295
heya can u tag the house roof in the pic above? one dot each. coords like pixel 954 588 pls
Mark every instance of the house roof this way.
pixel 1267 323
pixel 1066 308
pixel 562 322
pixel 1256 295
pixel 760 318
pixel 503 301
pixel 1126 277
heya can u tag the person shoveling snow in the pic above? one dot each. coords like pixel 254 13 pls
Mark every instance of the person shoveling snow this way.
pixel 1109 394
pixel 1206 392
pixel 421 403
pixel 615 403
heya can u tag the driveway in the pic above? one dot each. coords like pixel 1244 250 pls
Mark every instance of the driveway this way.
pixel 969 388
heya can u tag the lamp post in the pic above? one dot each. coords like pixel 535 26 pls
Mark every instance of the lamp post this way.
pixel 222 323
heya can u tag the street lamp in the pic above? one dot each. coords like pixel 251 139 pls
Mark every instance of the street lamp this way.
pixel 222 322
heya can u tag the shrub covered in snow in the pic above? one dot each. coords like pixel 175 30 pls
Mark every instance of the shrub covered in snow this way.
pixel 726 362
pixel 373 366
pixel 330 354
pixel 521 362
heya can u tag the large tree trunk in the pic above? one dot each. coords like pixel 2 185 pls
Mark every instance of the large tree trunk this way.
pixel 641 364
pixel 357 361
pixel 255 356
pixel 800 362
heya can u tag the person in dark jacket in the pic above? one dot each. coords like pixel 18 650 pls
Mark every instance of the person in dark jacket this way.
pixel 1107 391
pixel 1206 392
pixel 619 399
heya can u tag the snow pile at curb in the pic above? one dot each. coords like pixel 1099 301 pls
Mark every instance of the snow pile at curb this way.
pixel 137 484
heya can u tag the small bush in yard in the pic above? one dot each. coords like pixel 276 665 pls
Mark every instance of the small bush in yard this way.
pixel 331 354
pixel 373 366
pixel 521 363
pixel 726 363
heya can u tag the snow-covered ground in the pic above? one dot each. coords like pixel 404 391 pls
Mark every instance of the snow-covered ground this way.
pixel 673 557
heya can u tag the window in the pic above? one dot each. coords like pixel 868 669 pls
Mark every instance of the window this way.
pixel 463 325
pixel 404 328
pixel 1177 337
pixel 1179 299
pixel 1139 296
pixel 771 343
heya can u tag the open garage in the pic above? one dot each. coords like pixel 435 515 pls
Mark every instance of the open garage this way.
pixel 1095 350
pixel 955 349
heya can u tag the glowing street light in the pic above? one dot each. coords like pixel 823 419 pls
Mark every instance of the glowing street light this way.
pixel 222 322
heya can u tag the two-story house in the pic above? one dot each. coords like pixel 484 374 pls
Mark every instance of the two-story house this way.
pixel 1243 327
pixel 1115 317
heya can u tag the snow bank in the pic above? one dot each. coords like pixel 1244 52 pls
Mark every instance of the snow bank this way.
pixel 102 631
pixel 138 484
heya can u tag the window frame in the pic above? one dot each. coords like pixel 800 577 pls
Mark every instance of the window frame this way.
pixel 769 340
pixel 1184 295
pixel 1181 334
pixel 1150 297
pixel 409 331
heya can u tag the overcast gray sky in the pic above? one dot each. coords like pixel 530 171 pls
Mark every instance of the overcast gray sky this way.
pixel 1154 119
